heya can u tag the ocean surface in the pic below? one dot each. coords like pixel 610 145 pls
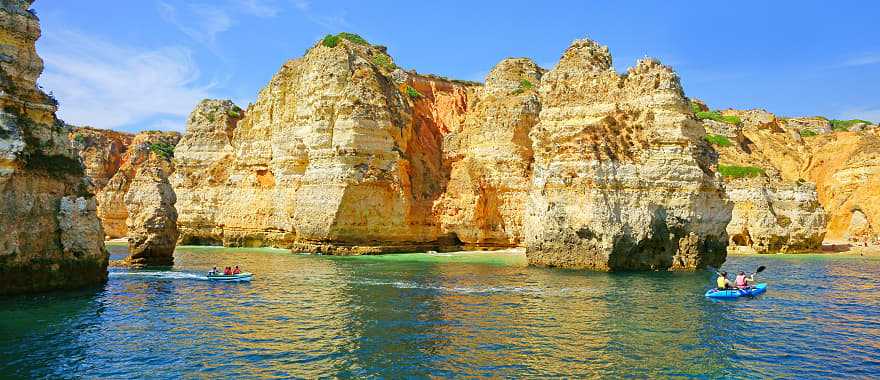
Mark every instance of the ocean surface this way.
pixel 446 315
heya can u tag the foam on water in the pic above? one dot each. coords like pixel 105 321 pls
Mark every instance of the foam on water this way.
pixel 162 275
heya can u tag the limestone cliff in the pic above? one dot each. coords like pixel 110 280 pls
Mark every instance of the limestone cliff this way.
pixel 102 152
pixel 844 166
pixel 340 153
pixel 152 218
pixel 202 159
pixel 491 159
pixel 50 237
pixel 772 212
pixel 846 169
pixel 111 197
pixel 772 216
pixel 621 177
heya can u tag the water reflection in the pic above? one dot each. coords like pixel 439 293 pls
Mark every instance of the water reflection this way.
pixel 443 317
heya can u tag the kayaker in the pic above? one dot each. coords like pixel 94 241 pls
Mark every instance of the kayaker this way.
pixel 227 271
pixel 236 270
pixel 742 281
pixel 723 282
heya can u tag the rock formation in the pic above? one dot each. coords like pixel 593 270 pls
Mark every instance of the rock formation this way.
pixel 340 153
pixel 843 165
pixel 152 218
pixel 771 216
pixel 491 159
pixel 102 152
pixel 202 159
pixel 50 237
pixel 111 197
pixel 345 153
pixel 772 212
pixel 621 175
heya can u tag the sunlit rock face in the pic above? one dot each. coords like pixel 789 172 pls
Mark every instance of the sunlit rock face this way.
pixel 111 197
pixel 772 216
pixel 843 165
pixel 203 159
pixel 152 218
pixel 50 237
pixel 338 154
pixel 490 159
pixel 622 179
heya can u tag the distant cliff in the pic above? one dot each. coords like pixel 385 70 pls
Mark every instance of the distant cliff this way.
pixel 50 236
pixel 345 153
pixel 797 181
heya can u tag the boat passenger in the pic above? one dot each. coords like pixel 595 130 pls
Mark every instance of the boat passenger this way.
pixel 227 271
pixel 742 281
pixel 723 282
pixel 236 270
pixel 214 271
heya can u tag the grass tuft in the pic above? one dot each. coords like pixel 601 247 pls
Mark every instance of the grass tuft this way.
pixel 383 61
pixel 413 93
pixel 716 115
pixel 734 171
pixel 353 38
pixel 807 133
pixel 718 140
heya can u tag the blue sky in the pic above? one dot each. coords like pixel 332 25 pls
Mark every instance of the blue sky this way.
pixel 134 65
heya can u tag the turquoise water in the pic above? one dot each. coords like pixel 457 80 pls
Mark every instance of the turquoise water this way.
pixel 446 316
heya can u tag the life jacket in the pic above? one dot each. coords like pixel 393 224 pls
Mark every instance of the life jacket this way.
pixel 236 271
pixel 722 282
pixel 227 272
pixel 741 281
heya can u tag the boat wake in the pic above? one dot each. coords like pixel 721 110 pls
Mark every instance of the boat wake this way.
pixel 161 275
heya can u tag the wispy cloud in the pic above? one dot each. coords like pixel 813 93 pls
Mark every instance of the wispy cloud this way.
pixel 862 60
pixel 107 85
pixel 201 22
pixel 871 114
pixel 331 23
pixel 259 8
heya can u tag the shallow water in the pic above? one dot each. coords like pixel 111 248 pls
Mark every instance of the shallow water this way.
pixel 473 314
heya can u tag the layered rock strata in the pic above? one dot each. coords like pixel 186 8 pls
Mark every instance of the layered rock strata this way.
pixel 338 154
pixel 844 166
pixel 152 218
pixel 50 237
pixel 344 153
pixel 773 217
pixel 621 176
pixel 490 159
pixel 111 197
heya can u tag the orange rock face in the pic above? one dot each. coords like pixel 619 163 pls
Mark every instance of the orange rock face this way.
pixel 112 160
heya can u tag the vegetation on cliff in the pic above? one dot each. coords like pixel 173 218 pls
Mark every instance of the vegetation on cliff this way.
pixel 736 171
pixel 717 116
pixel 718 140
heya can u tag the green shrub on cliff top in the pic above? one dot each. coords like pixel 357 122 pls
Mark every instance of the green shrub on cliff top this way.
pixel 718 140
pixel 163 150
pixel 734 171
pixel 353 38
pixel 413 93
pixel 330 41
pixel 715 115
pixel 844 125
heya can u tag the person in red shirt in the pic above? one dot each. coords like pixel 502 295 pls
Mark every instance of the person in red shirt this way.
pixel 227 271
pixel 236 270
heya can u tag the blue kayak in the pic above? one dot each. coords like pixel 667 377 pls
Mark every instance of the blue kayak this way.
pixel 736 293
